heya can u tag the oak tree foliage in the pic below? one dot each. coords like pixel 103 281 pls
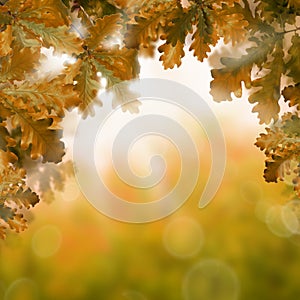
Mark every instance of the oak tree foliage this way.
pixel 105 37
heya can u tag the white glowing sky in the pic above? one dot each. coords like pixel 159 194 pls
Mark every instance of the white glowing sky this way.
pixel 235 117
pixel 191 73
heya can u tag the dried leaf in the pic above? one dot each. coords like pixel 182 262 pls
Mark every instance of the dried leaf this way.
pixel 229 79
pixel 46 96
pixel 171 54
pixel 122 62
pixel 36 134
pixel 231 24
pixel 87 84
pixel 5 41
pixel 293 65
pixel 269 93
pixel 291 94
pixel 20 63
pixel 60 38
pixel 204 37
pixel 145 28
pixel 104 30
pixel 51 13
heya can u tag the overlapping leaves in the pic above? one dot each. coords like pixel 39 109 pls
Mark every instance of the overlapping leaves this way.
pixel 32 106
pixel 281 145
pixel 105 38
pixel 264 70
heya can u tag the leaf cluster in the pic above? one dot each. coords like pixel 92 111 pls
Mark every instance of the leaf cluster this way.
pixel 281 145
pixel 105 38
pixel 32 106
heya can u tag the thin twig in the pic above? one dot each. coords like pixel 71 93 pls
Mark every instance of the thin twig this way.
pixel 77 30
pixel 292 30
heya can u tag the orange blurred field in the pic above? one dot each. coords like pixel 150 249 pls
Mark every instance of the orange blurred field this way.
pixel 224 251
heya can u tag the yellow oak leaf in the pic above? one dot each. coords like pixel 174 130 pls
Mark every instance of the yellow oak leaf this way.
pixel 105 29
pixel 106 73
pixel 229 79
pixel 70 72
pixel 5 41
pixel 87 86
pixel 269 141
pixel 46 96
pixel 60 38
pixel 51 13
pixel 24 38
pixel 145 27
pixel 201 48
pixel 204 36
pixel 122 62
pixel 268 95
pixel 18 64
pixel 171 54
pixel 291 94
pixel 43 141
pixel 35 134
pixel 293 65
pixel 231 25
pixel 17 223
pixel 23 198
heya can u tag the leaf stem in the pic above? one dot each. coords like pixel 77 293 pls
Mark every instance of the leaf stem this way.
pixel 292 30
pixel 77 30
pixel 87 15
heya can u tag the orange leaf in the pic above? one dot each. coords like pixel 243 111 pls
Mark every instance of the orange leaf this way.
pixel 171 54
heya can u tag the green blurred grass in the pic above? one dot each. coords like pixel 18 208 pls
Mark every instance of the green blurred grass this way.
pixel 99 258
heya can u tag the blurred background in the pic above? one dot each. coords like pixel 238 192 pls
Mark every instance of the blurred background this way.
pixel 244 245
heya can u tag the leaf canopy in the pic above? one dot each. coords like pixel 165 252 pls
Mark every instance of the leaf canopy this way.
pixel 105 38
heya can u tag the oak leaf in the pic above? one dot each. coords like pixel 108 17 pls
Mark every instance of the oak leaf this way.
pixel 24 38
pixel 59 38
pixel 23 198
pixel 5 41
pixel 293 65
pixel 229 79
pixel 231 24
pixel 269 93
pixel 87 84
pixel 291 95
pixel 17 65
pixel 46 96
pixel 145 27
pixel 51 13
pixel 43 141
pixel 204 36
pixel 181 23
pixel 270 141
pixel 36 135
pixel 171 54
pixel 123 62
pixel 103 30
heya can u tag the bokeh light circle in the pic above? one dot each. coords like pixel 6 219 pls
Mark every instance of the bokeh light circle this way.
pixel 183 237
pixel 291 216
pixel 210 279
pixel 71 191
pixel 275 222
pixel 261 210
pixel 46 241
pixel 22 289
